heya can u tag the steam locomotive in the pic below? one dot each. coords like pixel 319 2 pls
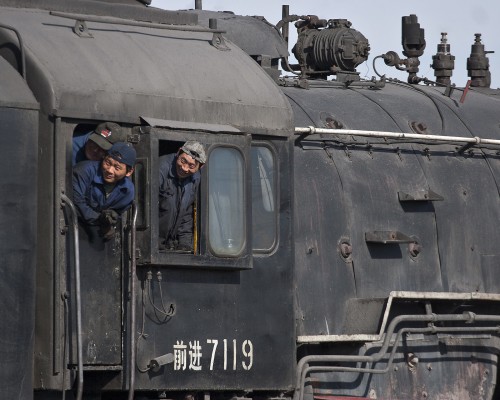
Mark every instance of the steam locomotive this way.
pixel 345 229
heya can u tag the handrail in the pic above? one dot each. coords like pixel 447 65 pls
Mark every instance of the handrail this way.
pixel 74 217
pixel 132 303
pixel 397 135
pixel 469 317
pixel 126 22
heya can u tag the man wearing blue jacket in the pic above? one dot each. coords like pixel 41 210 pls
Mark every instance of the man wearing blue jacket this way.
pixel 103 190
pixel 179 181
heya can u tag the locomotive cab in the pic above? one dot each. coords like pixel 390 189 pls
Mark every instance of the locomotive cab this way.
pixel 240 225
pixel 125 316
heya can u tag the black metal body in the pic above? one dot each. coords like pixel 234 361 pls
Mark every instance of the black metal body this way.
pixel 357 267
pixel 362 193
pixel 18 219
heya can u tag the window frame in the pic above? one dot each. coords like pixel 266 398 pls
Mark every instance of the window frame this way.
pixel 148 236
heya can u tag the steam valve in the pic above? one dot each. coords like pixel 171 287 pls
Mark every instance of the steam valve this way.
pixel 413 39
pixel 443 62
pixel 413 42
pixel 478 64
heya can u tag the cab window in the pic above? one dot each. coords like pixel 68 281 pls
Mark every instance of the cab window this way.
pixel 264 218
pixel 226 197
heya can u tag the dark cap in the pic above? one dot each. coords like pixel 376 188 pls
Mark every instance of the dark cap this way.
pixel 106 134
pixel 195 150
pixel 124 153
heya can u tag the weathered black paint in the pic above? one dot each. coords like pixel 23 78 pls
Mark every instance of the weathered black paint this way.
pixel 18 221
pixel 334 269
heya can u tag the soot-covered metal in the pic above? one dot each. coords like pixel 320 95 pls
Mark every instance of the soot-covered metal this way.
pixel 344 231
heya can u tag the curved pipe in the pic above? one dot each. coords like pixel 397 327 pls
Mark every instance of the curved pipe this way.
pixel 74 217
pixel 133 266
pixel 21 48
pixel 431 329
pixel 303 365
pixel 282 27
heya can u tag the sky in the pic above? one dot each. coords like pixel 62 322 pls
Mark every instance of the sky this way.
pixel 380 22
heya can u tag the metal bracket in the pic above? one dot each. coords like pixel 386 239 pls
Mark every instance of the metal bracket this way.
pixel 419 195
pixel 218 42
pixel 81 29
pixel 465 147
pixel 387 237
pixel 449 90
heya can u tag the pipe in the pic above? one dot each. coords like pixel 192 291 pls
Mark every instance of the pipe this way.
pixel 65 298
pixel 397 135
pixel 132 303
pixel 303 365
pixel 74 217
pixel 197 5
pixel 431 329
pixel 285 13
pixel 59 242
pixel 283 27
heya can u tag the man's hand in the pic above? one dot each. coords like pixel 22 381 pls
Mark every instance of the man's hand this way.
pixel 108 217
pixel 107 222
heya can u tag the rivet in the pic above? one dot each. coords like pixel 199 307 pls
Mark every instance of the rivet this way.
pixel 414 249
pixel 345 250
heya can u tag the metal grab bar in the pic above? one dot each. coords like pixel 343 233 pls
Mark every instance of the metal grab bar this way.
pixel 472 141
pixel 121 21
pixel 74 217
pixel 132 303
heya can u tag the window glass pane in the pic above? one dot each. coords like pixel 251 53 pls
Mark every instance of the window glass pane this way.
pixel 226 216
pixel 263 198
pixel 139 178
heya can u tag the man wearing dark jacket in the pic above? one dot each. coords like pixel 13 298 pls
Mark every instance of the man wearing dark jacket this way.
pixel 94 145
pixel 179 181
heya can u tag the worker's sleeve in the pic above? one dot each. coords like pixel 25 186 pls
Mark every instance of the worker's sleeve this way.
pixel 82 187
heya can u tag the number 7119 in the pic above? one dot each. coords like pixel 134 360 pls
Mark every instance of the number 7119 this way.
pixel 230 353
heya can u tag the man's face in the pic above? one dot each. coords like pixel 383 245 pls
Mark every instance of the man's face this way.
pixel 93 152
pixel 186 165
pixel 114 171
